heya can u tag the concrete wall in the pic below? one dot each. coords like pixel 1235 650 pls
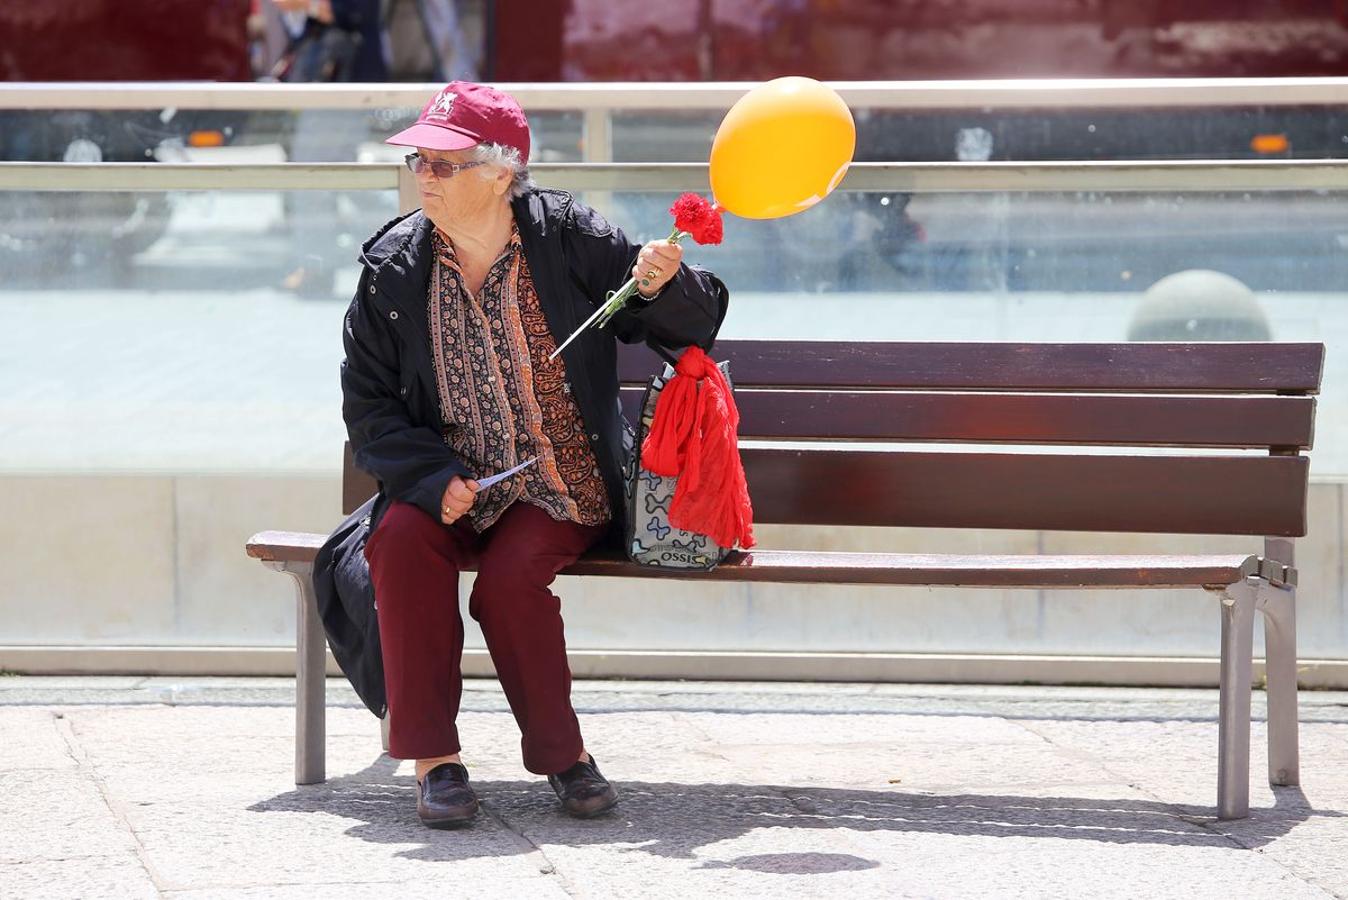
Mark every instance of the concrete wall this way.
pixel 135 560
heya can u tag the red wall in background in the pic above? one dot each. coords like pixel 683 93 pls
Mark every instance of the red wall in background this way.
pixel 124 40
pixel 733 40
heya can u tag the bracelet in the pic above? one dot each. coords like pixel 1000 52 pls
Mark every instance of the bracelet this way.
pixel 656 296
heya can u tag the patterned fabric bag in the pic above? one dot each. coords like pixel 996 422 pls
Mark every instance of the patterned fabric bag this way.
pixel 651 540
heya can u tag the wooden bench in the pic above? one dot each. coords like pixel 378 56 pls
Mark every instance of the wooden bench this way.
pixel 1215 436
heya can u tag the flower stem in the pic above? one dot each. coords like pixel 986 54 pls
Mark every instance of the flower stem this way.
pixel 619 298
pixel 575 334
pixel 613 301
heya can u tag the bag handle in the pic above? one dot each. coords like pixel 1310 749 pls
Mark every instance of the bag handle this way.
pixel 662 351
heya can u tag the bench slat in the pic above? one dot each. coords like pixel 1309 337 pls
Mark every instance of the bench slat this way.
pixel 1237 422
pixel 790 566
pixel 1237 367
pixel 1037 491
pixel 284 546
pixel 1050 492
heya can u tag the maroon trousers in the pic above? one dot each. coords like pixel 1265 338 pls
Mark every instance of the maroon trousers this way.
pixel 415 562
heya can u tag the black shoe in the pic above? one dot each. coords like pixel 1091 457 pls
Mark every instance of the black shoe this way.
pixel 444 799
pixel 583 791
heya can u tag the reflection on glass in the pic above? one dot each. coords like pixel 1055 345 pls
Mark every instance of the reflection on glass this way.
pixel 188 241
pixel 1085 241
pixel 213 349
pixel 894 135
pixel 259 136
pixel 664 136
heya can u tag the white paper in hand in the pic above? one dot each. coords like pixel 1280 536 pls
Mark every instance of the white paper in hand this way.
pixel 484 483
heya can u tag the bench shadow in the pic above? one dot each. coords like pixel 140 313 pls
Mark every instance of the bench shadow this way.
pixel 675 820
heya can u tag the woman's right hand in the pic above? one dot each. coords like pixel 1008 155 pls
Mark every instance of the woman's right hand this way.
pixel 459 496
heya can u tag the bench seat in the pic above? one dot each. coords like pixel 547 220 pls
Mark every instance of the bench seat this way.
pixel 796 566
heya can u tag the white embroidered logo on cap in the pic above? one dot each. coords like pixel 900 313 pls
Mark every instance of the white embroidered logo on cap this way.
pixel 443 105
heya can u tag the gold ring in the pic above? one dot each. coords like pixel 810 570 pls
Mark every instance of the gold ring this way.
pixel 652 273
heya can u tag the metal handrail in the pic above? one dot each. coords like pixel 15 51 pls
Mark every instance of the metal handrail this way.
pixel 1032 177
pixel 909 95
pixel 597 103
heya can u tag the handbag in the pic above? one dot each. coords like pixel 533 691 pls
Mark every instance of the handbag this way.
pixel 650 539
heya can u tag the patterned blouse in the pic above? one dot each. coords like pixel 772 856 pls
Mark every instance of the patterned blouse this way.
pixel 502 401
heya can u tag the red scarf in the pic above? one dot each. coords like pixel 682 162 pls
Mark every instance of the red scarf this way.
pixel 693 438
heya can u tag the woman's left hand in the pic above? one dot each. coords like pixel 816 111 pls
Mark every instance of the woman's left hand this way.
pixel 657 263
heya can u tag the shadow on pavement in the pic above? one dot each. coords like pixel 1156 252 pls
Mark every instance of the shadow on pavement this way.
pixel 674 820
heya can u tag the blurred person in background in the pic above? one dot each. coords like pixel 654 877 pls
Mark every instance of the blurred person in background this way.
pixel 433 40
pixel 332 40
pixel 329 41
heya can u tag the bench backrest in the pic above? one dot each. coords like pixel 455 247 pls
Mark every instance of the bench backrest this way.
pixel 1214 434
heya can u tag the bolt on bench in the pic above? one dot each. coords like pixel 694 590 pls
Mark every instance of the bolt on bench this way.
pixel 1175 403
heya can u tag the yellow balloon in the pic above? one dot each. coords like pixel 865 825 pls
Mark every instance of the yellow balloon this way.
pixel 781 149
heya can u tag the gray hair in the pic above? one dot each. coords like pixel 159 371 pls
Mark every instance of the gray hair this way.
pixel 500 156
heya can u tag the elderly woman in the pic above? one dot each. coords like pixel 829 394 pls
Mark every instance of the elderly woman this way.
pixel 447 380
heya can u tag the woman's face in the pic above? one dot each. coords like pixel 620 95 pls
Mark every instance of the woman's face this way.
pixel 464 197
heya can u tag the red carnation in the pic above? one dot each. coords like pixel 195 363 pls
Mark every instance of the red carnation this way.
pixel 689 210
pixel 710 231
pixel 699 217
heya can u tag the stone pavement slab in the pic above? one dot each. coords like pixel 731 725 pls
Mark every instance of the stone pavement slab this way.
pixel 183 788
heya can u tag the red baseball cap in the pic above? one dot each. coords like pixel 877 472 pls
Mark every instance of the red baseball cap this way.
pixel 463 115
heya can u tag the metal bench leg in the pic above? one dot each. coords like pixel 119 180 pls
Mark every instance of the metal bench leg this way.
pixel 1280 653
pixel 310 676
pixel 1233 729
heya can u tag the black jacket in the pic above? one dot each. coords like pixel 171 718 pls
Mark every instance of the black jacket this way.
pixel 390 399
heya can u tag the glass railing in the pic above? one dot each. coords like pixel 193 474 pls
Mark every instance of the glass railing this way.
pixel 169 369
pixel 925 252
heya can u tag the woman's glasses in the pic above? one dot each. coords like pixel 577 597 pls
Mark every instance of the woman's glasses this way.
pixel 438 168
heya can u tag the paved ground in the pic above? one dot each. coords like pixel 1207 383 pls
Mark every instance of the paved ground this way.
pixel 134 787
